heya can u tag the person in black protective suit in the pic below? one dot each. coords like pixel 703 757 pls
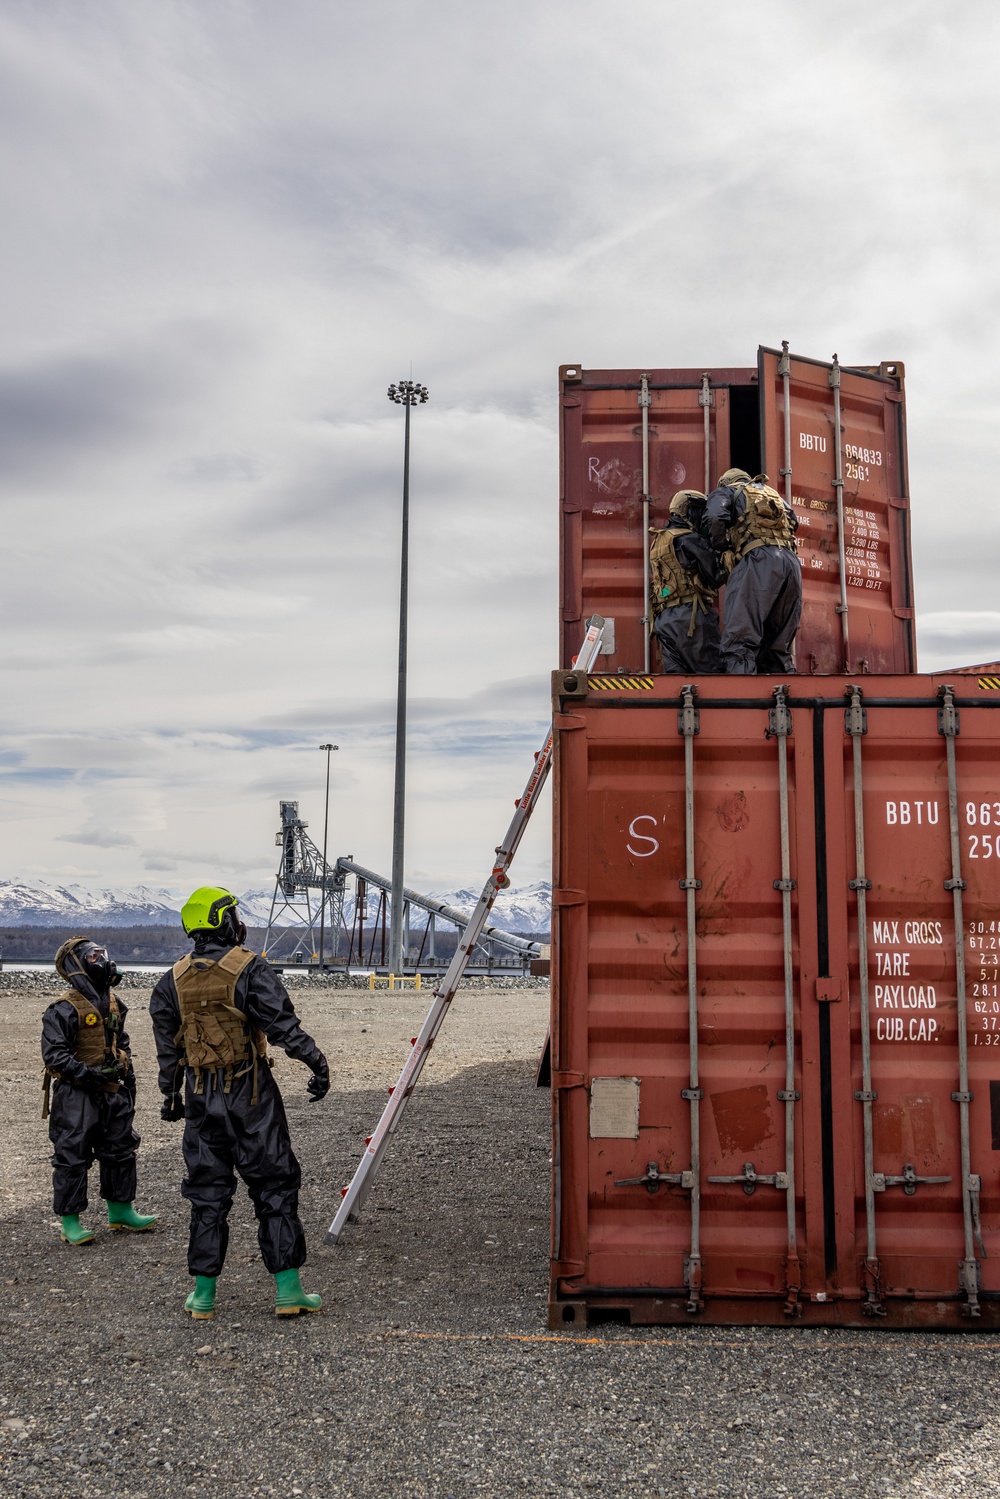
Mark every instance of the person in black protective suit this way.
pixel 213 1014
pixel 684 576
pixel 90 1092
pixel 753 530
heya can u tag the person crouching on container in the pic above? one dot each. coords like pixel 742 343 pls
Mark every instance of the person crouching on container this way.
pixel 753 530
pixel 684 575
pixel 213 1014
pixel 90 1092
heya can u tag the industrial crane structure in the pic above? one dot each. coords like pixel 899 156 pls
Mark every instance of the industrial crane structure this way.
pixel 305 884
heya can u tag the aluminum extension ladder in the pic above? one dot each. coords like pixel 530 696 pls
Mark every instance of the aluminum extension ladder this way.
pixel 354 1196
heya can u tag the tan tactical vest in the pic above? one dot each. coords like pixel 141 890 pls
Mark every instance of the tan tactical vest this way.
pixel 96 1041
pixel 215 1033
pixel 669 584
pixel 764 522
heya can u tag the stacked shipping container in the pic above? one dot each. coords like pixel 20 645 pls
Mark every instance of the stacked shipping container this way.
pixel 776 922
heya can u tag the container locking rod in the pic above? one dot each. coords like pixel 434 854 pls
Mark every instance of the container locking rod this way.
pixel 856 725
pixel 688 725
pixel 949 727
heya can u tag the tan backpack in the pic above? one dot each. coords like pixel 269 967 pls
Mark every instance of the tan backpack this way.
pixel 669 584
pixel 764 522
pixel 215 1033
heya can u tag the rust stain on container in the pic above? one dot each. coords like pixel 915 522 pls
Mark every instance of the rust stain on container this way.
pixel 732 813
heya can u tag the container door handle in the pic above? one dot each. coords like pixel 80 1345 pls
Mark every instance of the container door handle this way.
pixel 654 1176
pixel 751 1179
pixel 909 1181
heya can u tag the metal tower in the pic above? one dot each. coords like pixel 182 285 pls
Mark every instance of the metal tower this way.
pixel 308 896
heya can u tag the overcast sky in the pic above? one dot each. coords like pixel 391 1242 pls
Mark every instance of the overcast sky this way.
pixel 227 227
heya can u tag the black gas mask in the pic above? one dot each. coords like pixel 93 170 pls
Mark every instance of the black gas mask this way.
pixel 232 930
pixel 696 516
pixel 97 967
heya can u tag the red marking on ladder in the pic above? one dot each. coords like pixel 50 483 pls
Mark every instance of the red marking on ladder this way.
pixel 368 1139
pixel 343 1191
pixel 413 1040
pixel 392 1090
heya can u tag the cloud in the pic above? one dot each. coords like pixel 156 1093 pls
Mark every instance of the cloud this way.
pixel 161 862
pixel 98 838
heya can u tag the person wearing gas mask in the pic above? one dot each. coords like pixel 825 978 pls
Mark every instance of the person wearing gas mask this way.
pixel 684 576
pixel 90 1092
pixel 213 1015
pixel 753 531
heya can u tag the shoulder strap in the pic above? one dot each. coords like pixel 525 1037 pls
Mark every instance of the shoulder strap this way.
pixel 236 960
pixel 81 1004
pixel 181 967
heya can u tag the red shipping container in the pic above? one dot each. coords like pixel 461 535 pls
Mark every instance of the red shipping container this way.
pixel 626 435
pixel 776 1000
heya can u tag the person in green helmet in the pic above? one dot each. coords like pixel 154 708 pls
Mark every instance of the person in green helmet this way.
pixel 90 1092
pixel 213 1015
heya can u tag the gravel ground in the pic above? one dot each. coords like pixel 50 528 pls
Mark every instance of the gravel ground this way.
pixel 430 1370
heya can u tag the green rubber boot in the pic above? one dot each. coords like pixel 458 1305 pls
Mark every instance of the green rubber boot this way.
pixel 73 1231
pixel 123 1215
pixel 290 1298
pixel 201 1302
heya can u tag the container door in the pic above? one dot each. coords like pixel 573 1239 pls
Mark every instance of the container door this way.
pixel 647 1107
pixel 925 1212
pixel 876 565
pixel 603 539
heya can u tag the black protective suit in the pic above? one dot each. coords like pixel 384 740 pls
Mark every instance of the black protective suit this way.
pixel 681 652
pixel 763 601
pixel 86 1124
pixel 224 1133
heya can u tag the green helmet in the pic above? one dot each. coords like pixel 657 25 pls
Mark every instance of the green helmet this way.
pixel 205 907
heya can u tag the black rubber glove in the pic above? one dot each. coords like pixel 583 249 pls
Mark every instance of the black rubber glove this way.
pixel 97 1079
pixel 172 1107
pixel 318 1085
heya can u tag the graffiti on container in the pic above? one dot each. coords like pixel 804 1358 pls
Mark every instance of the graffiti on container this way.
pixel 612 477
pixel 642 853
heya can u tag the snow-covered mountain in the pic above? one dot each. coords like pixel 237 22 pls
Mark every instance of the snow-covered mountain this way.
pixel 42 904
pixel 527 911
pixel 38 903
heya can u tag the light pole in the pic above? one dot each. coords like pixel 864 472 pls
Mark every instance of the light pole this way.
pixel 326 824
pixel 405 394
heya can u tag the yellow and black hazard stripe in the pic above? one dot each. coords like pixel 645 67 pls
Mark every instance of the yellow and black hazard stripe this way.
pixel 990 684
pixel 620 684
